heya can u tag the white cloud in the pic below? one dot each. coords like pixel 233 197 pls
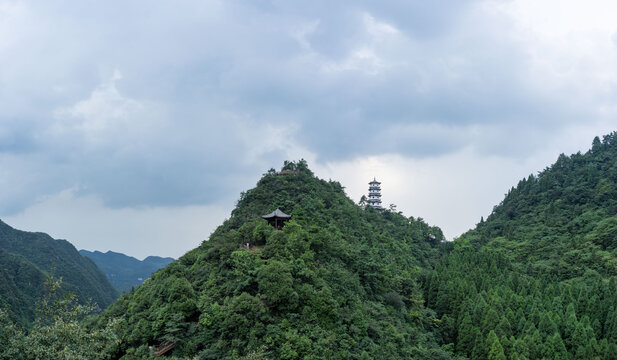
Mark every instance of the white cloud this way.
pixel 570 43
pixel 104 116
pixel 11 12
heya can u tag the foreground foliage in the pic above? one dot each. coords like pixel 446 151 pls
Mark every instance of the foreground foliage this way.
pixel 57 332
pixel 537 280
pixel 338 282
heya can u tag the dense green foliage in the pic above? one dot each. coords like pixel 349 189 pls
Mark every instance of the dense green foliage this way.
pixel 537 279
pixel 338 282
pixel 20 286
pixel 125 272
pixel 25 259
pixel 57 332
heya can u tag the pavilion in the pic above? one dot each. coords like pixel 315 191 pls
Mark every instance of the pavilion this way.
pixel 277 218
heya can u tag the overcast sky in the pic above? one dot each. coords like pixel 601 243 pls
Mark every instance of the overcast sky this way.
pixel 133 126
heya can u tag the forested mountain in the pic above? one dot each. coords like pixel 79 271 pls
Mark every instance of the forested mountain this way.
pixel 337 282
pixel 25 259
pixel 125 272
pixel 536 280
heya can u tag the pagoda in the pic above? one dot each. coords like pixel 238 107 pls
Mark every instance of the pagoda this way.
pixel 374 194
pixel 277 218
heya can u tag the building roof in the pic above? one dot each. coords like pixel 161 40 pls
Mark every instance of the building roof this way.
pixel 276 214
pixel 374 181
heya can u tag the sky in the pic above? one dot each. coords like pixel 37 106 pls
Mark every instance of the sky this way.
pixel 133 126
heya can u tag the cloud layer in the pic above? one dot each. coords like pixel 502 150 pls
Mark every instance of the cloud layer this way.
pixel 150 104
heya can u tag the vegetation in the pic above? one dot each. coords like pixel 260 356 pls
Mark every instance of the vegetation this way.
pixel 25 260
pixel 537 278
pixel 125 272
pixel 57 332
pixel 338 282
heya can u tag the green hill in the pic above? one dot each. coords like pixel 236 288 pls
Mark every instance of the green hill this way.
pixel 125 272
pixel 27 257
pixel 338 282
pixel 20 286
pixel 537 278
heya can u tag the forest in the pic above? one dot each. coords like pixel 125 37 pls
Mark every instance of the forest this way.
pixel 535 280
pixel 26 258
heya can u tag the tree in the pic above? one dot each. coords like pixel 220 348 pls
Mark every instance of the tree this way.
pixel 466 336
pixel 555 348
pixel 57 332
pixel 275 283
pixel 494 348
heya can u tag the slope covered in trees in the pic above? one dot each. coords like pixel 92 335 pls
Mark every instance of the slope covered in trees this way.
pixel 57 331
pixel 537 279
pixel 338 282
pixel 25 259
pixel 125 272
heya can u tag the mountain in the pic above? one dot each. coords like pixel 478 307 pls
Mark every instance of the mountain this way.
pixel 125 272
pixel 21 285
pixel 25 260
pixel 338 281
pixel 537 279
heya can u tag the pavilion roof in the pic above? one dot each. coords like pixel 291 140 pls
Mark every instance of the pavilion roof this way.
pixel 276 214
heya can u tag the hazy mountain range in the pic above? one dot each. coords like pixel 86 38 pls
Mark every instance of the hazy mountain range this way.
pixel 125 272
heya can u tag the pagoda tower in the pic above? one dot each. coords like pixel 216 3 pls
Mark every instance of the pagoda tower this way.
pixel 374 194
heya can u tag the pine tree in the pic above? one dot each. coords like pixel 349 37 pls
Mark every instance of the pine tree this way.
pixel 490 321
pixel 494 348
pixel 610 325
pixel 504 329
pixel 557 348
pixel 466 336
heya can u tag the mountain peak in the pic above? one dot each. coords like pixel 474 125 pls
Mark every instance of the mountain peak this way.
pixel 331 266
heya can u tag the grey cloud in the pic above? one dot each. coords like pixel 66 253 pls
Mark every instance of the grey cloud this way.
pixel 421 18
pixel 205 86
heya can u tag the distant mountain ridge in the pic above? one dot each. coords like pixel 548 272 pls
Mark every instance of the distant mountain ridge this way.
pixel 25 260
pixel 123 271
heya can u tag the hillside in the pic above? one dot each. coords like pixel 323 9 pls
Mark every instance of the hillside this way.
pixel 20 286
pixel 338 282
pixel 125 272
pixel 27 257
pixel 537 279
